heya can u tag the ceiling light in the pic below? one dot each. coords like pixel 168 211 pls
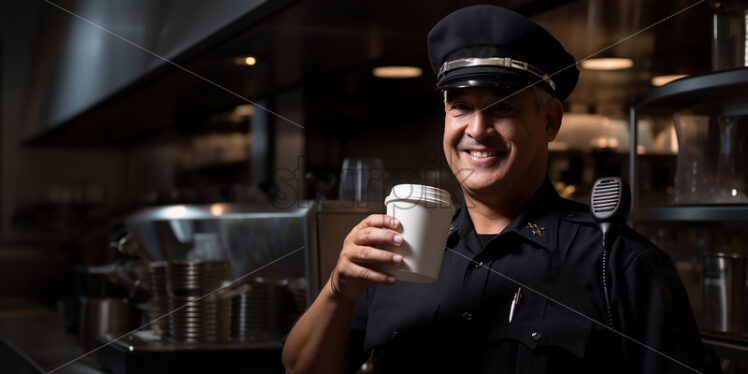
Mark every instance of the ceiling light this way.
pixel 244 110
pixel 607 63
pixel 245 60
pixel 216 210
pixel 397 72
pixel 662 80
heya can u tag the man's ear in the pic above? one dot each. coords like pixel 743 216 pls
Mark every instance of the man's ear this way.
pixel 554 111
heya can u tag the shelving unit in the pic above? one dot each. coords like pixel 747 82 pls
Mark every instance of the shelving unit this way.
pixel 723 87
pixel 734 214
pixel 727 347
pixel 728 91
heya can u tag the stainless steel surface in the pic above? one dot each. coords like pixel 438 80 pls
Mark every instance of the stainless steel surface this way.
pixel 130 245
pixel 252 238
pixel 139 353
pixel 103 315
pixel 724 289
pixel 78 79
pixel 694 214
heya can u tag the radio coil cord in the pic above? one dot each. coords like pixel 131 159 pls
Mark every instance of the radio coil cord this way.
pixel 610 202
pixel 608 309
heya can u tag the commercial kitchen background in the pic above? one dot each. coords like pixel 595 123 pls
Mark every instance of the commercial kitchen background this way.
pixel 96 127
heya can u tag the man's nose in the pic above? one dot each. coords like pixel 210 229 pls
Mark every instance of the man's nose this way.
pixel 479 125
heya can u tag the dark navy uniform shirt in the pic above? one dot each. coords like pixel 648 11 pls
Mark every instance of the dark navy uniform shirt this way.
pixel 459 324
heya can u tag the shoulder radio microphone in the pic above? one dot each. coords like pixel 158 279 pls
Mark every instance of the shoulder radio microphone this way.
pixel 610 204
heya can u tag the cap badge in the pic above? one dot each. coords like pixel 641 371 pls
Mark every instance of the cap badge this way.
pixel 536 230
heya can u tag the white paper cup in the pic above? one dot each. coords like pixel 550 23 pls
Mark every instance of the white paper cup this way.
pixel 425 213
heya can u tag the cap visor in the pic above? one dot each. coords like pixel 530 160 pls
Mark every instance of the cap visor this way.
pixel 488 76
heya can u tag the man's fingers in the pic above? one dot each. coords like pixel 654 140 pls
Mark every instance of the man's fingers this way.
pixel 380 220
pixel 369 255
pixel 375 236
pixel 363 273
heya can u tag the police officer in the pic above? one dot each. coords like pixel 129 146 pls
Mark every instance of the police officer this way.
pixel 520 287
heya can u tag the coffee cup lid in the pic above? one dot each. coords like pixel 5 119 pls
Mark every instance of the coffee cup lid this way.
pixel 419 192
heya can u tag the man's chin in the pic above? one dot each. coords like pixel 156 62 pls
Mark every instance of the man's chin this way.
pixel 476 188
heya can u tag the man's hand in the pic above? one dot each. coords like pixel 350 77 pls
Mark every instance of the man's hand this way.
pixel 359 262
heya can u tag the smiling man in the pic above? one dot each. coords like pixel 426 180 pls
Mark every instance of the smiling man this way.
pixel 496 143
pixel 520 288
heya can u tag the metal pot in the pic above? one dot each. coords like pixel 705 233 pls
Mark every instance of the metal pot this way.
pixel 724 288
pixel 103 315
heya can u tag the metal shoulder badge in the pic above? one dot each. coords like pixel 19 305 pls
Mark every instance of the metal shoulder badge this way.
pixel 536 230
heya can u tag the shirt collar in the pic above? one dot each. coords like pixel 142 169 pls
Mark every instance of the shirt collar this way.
pixel 536 223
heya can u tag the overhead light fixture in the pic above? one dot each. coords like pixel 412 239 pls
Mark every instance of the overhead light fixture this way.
pixel 662 80
pixel 244 110
pixel 246 60
pixel 217 210
pixel 397 72
pixel 607 63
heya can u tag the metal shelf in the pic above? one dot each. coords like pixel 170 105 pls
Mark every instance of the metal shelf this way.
pixel 712 213
pixel 723 86
pixel 726 349
pixel 729 89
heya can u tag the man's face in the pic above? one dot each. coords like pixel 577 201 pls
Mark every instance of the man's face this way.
pixel 495 144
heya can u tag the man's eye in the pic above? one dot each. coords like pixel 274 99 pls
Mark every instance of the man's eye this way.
pixel 500 109
pixel 458 109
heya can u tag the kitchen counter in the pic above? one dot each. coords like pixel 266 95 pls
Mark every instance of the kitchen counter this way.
pixel 39 332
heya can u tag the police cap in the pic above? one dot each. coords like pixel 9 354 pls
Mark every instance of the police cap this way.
pixel 489 46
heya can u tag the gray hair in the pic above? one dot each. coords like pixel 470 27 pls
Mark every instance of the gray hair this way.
pixel 542 96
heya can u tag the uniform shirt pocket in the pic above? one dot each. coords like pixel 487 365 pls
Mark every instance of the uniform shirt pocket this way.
pixel 542 338
pixel 565 329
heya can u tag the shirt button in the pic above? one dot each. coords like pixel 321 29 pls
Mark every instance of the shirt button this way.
pixel 393 335
pixel 536 336
pixel 467 316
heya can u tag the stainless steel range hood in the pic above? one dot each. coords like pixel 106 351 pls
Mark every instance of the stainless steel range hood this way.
pixel 91 88
pixel 92 53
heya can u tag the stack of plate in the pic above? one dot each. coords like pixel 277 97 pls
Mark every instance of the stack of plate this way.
pixel 223 316
pixel 239 313
pixel 215 274
pixel 184 324
pixel 258 313
pixel 159 303
pixel 184 278
pixel 208 315
pixel 200 313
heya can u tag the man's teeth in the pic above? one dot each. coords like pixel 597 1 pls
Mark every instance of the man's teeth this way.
pixel 482 154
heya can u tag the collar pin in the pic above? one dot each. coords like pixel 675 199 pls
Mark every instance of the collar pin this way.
pixel 536 230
